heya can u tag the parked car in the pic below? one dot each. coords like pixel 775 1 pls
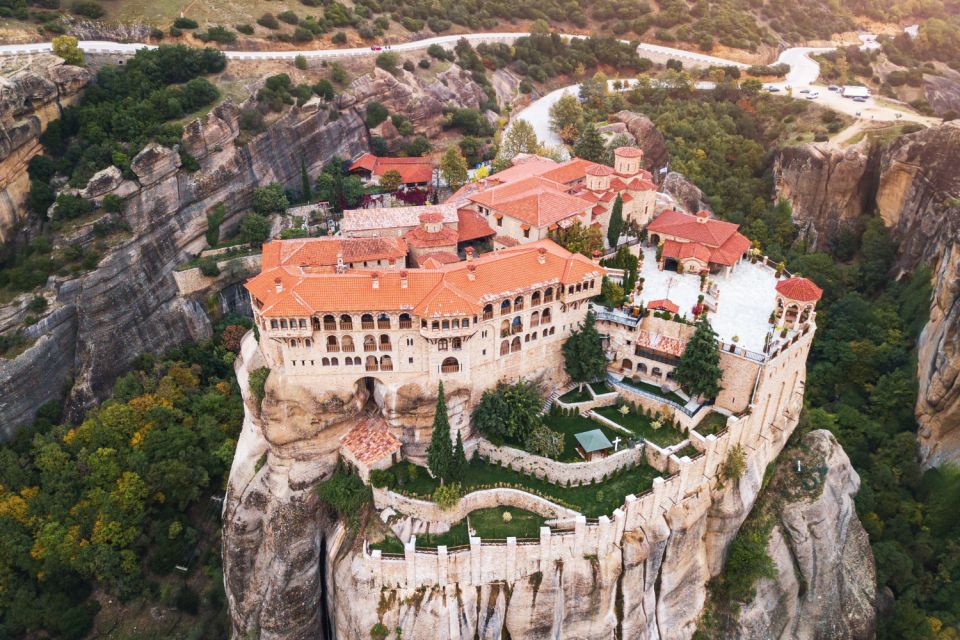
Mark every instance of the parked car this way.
pixel 859 99
pixel 833 87
pixel 804 90
pixel 772 88
pixel 376 47
pixel 813 95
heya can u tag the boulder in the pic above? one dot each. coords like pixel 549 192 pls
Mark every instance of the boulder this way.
pixel 686 195
pixel 649 138
pixel 103 182
pixel 154 163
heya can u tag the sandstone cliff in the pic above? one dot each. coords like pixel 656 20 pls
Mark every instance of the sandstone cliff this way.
pixel 130 304
pixel 648 138
pixel 31 95
pixel 825 584
pixel 913 184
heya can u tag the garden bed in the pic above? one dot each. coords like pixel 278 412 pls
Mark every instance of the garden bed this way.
pixel 590 500
pixel 712 424
pixel 570 426
pixel 601 388
pixel 655 390
pixel 641 425
pixel 488 524
pixel 576 395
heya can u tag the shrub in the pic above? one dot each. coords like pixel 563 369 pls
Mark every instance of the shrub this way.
pixel 218 34
pixel 187 600
pixel 176 33
pixel 185 23
pixel 254 229
pixel 381 478
pixel 388 61
pixel 423 64
pixel 507 517
pixel 269 21
pixel 339 38
pixel 37 305
pixel 300 62
pixel 302 34
pixel 245 29
pixel 735 464
pixel 409 66
pixel 379 631
pixel 447 496
pixel 258 382
pixel 437 51
pixel 208 266
pixel 345 492
pixel 232 337
pixel 376 114
pixel 88 9
pixel 289 17
pixel 112 203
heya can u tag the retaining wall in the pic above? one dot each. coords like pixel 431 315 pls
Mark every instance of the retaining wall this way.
pixel 561 472
pixel 484 499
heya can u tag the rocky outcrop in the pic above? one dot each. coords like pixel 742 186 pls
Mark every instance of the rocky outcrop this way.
pixel 648 138
pixel 30 98
pixel 825 584
pixel 686 195
pixel 407 94
pixel 829 189
pixel 130 304
pixel 942 91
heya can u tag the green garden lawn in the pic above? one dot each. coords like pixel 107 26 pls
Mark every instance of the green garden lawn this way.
pixel 570 426
pixel 639 424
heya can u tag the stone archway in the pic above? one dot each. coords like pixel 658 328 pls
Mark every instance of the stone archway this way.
pixel 369 393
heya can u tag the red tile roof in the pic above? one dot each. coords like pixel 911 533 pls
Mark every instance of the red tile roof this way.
pixel 536 201
pixel 370 441
pixel 726 245
pixel 663 305
pixel 628 152
pixel 684 250
pixel 661 343
pixel 411 170
pixel 472 226
pixel 598 170
pixel 322 252
pixel 437 259
pixel 571 170
pixel 456 289
pixel 421 238
pixel 800 289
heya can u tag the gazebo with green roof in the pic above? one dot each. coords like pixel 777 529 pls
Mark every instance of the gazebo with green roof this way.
pixel 593 444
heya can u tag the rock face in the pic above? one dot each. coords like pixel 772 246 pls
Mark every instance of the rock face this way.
pixel 825 587
pixel 29 99
pixel 942 91
pixel 913 184
pixel 648 138
pixel 829 189
pixel 130 303
pixel 419 101
pixel 685 194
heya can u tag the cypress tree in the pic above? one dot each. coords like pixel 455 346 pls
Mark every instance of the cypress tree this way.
pixel 583 356
pixel 589 145
pixel 616 222
pixel 459 461
pixel 440 451
pixel 699 370
pixel 305 181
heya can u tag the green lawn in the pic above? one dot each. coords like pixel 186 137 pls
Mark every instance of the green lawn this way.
pixel 599 388
pixel 570 426
pixel 576 395
pixel 689 450
pixel 654 389
pixel 712 424
pixel 487 523
pixel 590 500
pixel 639 424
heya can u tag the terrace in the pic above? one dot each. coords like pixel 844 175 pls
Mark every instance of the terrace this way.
pixel 488 524
pixel 746 298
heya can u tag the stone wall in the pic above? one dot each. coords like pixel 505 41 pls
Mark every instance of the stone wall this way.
pixel 191 281
pixel 561 472
pixel 428 511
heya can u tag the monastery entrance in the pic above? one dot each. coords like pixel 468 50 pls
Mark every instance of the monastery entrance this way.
pixel 369 393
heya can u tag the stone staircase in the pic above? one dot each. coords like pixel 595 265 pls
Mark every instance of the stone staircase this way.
pixel 553 397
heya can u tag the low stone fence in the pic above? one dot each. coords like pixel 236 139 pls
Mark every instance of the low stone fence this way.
pixel 561 472
pixel 428 511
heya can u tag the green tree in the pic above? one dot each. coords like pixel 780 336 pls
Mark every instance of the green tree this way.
pixel 305 190
pixel 269 199
pixel 390 180
pixel 214 220
pixel 580 239
pixel 519 138
pixel 566 117
pixel 699 371
pixel 458 464
pixel 254 229
pixel 583 357
pixel 67 47
pixel 589 145
pixel 616 222
pixel 611 293
pixel 440 451
pixel 543 441
pixel 508 411
pixel 453 167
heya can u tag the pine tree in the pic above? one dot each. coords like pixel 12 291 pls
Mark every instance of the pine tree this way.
pixel 305 181
pixel 589 145
pixel 458 463
pixel 583 355
pixel 440 451
pixel 453 167
pixel 699 370
pixel 616 222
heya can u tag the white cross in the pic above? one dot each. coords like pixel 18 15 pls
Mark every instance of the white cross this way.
pixel 616 443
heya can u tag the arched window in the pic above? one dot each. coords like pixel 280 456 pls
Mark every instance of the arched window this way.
pixel 273 324
pixel 346 344
pixel 329 322
pixel 316 323
pixel 518 303
pixel 371 363
pixel 293 344
pixel 517 325
pixel 579 287
pixel 384 342
pixel 488 312
pixel 332 346
pixel 445 325
pixel 465 323
pixel 641 368
pixel 307 342
pixel 533 336
pixel 504 328
pixel 386 364
pixel 526 338
pixel 457 344
pixel 405 321
pixel 535 299
pixel 449 365
pixel 626 365
pixel 515 345
pixel 535 319
pixel 334 362
pixel 369 343
pixel 504 347
pixel 348 361
pixel 504 307
pixel 548 295
pixel 545 317
pixel 325 362
pixel 383 321
pixel 435 325
pixel 366 321
pixel 283 323
pixel 442 344
pixel 656 372
pixel 346 323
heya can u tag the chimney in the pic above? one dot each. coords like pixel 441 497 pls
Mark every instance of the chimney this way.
pixel 542 255
pixel 471 272
pixel 279 285
pixel 376 279
pixel 403 279
pixel 469 252
pixel 340 266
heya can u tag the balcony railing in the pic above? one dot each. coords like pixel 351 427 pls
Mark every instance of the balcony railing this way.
pixel 371 367
pixel 406 324
pixel 449 368
pixel 332 348
pixel 367 324
pixel 387 366
pixel 385 346
pixel 369 347
pixel 329 326
pixel 383 324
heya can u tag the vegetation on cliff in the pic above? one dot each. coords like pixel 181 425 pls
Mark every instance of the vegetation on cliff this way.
pixel 108 509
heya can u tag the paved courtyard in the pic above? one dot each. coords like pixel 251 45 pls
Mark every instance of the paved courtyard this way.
pixel 747 296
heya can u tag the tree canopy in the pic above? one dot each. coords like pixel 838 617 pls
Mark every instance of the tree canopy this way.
pixel 583 355
pixel 509 411
pixel 699 371
pixel 440 451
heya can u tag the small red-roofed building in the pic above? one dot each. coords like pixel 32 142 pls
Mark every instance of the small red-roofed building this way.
pixel 430 237
pixel 663 305
pixel 797 299
pixel 697 243
pixel 369 445
pixel 414 172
